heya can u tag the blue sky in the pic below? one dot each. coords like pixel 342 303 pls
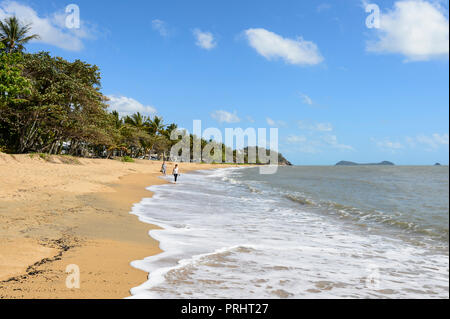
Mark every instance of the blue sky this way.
pixel 336 89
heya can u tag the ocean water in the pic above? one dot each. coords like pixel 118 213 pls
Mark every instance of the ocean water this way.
pixel 305 232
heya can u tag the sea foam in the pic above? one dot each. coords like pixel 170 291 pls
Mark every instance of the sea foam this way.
pixel 220 239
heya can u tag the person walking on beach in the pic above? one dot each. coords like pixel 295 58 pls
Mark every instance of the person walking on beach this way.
pixel 164 168
pixel 175 173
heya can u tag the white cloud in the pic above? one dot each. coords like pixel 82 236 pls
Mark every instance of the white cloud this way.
pixel 324 127
pixel 52 29
pixel 304 145
pixel 127 106
pixel 316 144
pixel 306 99
pixel 273 46
pixel 270 121
pixel 294 139
pixel 333 142
pixel 388 145
pixel 441 139
pixel 428 142
pixel 225 117
pixel 320 127
pixel 161 27
pixel 416 29
pixel 275 123
pixel 434 141
pixel 205 40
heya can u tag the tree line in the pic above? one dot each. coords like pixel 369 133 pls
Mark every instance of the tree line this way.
pixel 50 105
pixel 54 106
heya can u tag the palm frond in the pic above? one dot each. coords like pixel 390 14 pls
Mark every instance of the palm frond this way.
pixel 14 35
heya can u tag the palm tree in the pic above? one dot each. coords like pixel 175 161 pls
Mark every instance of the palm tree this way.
pixel 169 129
pixel 118 122
pixel 136 120
pixel 156 126
pixel 14 34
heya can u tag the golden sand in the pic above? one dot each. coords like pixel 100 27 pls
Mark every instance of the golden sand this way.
pixel 60 211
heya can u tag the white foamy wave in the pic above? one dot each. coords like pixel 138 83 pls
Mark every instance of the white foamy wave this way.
pixel 221 240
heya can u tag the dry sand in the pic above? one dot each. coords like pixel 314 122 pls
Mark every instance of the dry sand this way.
pixel 60 211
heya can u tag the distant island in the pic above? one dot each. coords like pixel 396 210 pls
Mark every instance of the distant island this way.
pixel 347 163
pixel 437 164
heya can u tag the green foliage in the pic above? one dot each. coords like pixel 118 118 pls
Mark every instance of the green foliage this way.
pixel 127 159
pixel 45 157
pixel 14 89
pixel 13 85
pixel 53 101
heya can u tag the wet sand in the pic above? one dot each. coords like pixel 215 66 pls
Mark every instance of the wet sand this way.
pixel 63 211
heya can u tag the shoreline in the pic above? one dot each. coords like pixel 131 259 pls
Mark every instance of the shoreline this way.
pixel 141 263
pixel 215 249
pixel 54 214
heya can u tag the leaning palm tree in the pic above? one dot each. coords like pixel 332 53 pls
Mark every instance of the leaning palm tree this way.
pixel 14 35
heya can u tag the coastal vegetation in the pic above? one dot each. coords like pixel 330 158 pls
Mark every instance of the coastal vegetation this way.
pixel 49 105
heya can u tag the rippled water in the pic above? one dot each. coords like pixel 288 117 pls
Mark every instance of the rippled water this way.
pixel 306 232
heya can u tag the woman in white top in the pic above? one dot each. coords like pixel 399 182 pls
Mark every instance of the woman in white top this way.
pixel 175 172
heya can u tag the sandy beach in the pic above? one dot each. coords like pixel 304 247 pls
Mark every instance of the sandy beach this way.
pixel 60 211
